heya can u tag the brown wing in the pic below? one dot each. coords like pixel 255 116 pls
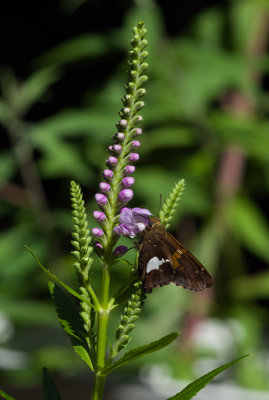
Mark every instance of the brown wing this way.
pixel 155 250
pixel 188 271
pixel 163 259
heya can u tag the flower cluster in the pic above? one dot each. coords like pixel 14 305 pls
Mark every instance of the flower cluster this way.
pixel 115 189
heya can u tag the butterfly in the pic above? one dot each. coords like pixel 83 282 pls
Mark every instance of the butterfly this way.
pixel 163 259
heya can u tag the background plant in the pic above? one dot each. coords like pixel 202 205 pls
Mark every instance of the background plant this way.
pixel 196 125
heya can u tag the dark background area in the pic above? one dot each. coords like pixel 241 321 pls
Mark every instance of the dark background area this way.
pixel 63 66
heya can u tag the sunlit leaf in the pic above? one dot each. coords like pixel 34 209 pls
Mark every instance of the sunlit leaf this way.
pixel 71 321
pixel 57 280
pixel 193 388
pixel 137 352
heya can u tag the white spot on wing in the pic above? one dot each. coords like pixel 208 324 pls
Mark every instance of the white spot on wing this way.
pixel 155 263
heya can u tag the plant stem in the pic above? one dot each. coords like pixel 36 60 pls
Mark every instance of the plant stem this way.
pixel 98 387
pixel 103 315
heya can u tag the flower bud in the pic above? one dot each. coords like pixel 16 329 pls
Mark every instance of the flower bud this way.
pixel 127 110
pixel 98 245
pixel 117 148
pixel 134 156
pixel 107 173
pixel 130 169
pixel 101 199
pixel 110 149
pixel 136 119
pixel 127 181
pixel 120 250
pixel 120 136
pixel 112 160
pixel 125 195
pixel 135 143
pixel 104 186
pixel 97 232
pixel 123 123
pixel 99 216
pixel 137 131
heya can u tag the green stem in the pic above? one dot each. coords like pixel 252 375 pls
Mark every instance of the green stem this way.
pixel 98 387
pixel 103 315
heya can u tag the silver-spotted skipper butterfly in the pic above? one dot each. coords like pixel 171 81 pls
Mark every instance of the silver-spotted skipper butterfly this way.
pixel 162 260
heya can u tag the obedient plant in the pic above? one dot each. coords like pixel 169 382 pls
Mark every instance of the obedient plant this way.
pixel 86 321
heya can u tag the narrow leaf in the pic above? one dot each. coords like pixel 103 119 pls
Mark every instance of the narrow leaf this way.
pixel 56 279
pixel 137 352
pixel 71 321
pixel 193 388
pixel 5 396
pixel 50 391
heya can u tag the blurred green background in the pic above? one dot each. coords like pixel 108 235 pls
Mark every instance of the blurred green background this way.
pixel 63 66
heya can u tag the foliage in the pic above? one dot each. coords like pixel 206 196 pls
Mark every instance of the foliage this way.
pixel 207 97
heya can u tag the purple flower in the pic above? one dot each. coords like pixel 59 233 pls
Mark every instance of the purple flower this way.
pixel 98 245
pixel 130 169
pixel 134 156
pixel 117 148
pixel 112 160
pixel 107 173
pixel 123 122
pixel 135 143
pixel 125 195
pixel 97 232
pixel 127 181
pixel 120 135
pixel 120 250
pixel 99 216
pixel 101 199
pixel 104 186
pixel 132 221
pixel 138 131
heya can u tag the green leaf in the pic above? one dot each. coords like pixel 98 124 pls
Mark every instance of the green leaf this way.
pixel 34 88
pixel 71 322
pixel 57 280
pixel 193 388
pixel 250 226
pixel 50 391
pixel 6 396
pixel 137 352
pixel 77 48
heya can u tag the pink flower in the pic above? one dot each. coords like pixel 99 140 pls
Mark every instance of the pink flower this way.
pixel 101 199
pixel 130 169
pixel 127 181
pixel 132 221
pixel 112 160
pixel 135 143
pixel 107 173
pixel 138 131
pixel 134 156
pixel 104 186
pixel 123 122
pixel 97 232
pixel 99 216
pixel 125 195
pixel 117 148
pixel 120 135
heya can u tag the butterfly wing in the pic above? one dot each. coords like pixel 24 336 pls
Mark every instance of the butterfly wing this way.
pixel 155 264
pixel 188 271
pixel 163 259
